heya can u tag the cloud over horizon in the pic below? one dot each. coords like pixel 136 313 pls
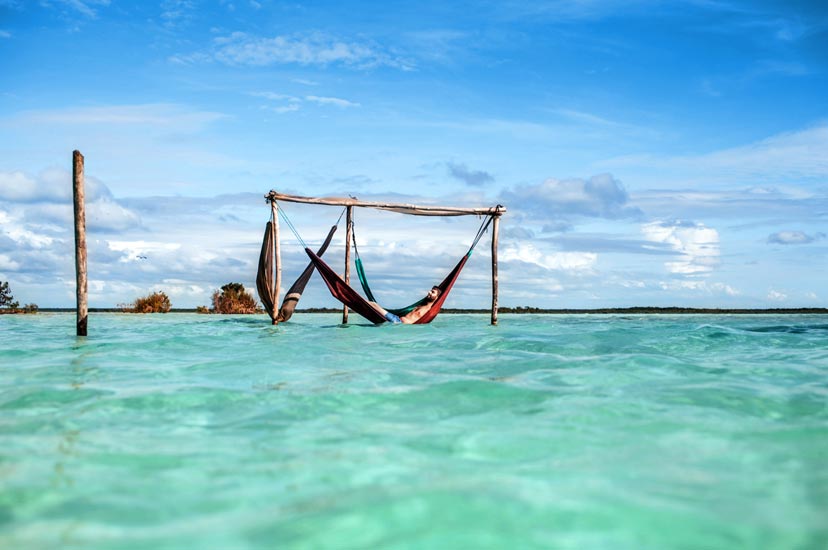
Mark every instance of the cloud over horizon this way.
pixel 618 191
pixel 697 245
pixel 601 196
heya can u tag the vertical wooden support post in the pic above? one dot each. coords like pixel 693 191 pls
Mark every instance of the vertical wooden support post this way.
pixel 80 243
pixel 277 255
pixel 495 231
pixel 349 236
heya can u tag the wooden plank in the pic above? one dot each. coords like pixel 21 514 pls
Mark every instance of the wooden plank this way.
pixel 80 243
pixel 412 209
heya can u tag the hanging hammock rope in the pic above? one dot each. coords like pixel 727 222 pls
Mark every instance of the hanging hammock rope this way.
pixel 284 216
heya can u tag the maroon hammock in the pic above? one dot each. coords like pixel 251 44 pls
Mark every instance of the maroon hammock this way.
pixel 351 298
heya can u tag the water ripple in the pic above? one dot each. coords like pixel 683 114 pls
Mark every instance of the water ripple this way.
pixel 545 431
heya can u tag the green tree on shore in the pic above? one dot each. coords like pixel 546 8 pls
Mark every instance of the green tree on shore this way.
pixel 6 298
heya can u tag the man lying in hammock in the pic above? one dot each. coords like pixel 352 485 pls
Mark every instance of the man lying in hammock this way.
pixel 415 314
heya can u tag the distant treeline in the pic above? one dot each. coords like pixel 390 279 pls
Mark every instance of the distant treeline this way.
pixel 536 310
pixel 664 310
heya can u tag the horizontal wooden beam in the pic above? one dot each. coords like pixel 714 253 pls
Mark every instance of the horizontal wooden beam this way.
pixel 412 209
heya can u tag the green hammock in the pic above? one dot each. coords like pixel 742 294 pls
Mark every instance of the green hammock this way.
pixel 363 280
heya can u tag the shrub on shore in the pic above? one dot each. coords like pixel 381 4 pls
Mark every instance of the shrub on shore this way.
pixel 233 298
pixel 157 302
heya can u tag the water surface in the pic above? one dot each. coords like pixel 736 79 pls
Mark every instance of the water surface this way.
pixel 576 431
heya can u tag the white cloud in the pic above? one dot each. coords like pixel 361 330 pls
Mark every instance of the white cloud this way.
pixel 273 96
pixel 158 115
pixel 805 203
pixel 8 264
pixel 557 261
pixel 138 250
pixel 13 228
pixel 106 214
pixel 580 116
pixel 791 154
pixel 289 108
pixel 315 49
pixel 793 237
pixel 190 58
pixel 705 287
pixel 292 103
pixel 184 247
pixel 52 186
pixel 47 198
pixel 176 11
pixel 599 196
pixel 5 34
pixel 799 154
pixel 335 101
pixel 697 245
pixel 17 186
pixel 777 296
pixel 85 7
pixel 25 237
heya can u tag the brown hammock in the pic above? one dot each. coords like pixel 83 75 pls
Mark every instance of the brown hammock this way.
pixel 265 284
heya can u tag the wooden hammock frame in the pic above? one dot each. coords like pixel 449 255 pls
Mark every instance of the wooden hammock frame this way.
pixel 412 209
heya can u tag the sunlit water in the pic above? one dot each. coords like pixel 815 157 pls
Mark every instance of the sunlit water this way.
pixel 196 431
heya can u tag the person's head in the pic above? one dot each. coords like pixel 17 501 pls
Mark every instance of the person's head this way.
pixel 433 294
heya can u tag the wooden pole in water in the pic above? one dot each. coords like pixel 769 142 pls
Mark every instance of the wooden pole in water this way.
pixel 277 255
pixel 80 243
pixel 495 231
pixel 349 232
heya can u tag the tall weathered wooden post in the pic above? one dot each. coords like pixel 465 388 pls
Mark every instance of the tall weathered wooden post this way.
pixel 80 243
pixel 495 232
pixel 349 236
pixel 277 255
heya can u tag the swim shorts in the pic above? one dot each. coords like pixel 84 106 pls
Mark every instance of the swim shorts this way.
pixel 392 318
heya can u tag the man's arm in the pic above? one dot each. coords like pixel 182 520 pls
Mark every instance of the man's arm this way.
pixel 415 314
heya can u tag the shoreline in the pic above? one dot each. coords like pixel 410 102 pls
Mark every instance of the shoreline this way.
pixel 525 310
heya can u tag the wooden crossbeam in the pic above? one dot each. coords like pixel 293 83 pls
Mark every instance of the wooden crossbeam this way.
pixel 413 209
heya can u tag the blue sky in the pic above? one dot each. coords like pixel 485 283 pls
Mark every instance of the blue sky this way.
pixel 649 152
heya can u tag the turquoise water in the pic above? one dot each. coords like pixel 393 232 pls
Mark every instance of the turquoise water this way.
pixel 195 431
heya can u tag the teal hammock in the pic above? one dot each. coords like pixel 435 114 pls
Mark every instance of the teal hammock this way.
pixel 363 280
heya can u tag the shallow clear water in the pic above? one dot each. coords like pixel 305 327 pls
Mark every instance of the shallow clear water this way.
pixel 196 431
